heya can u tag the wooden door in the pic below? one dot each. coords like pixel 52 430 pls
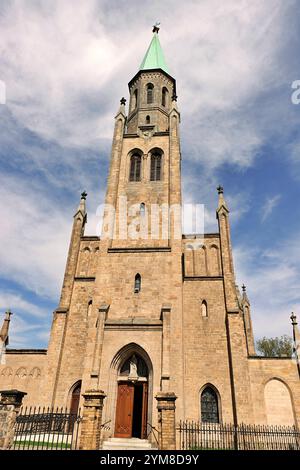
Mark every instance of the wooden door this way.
pixel 75 399
pixel 124 413
pixel 145 411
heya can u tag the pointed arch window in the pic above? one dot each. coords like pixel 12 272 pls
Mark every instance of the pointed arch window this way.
pixel 209 406
pixel 142 209
pixel 147 119
pixel 150 94
pixel 155 173
pixel 134 100
pixel 137 283
pixel 204 311
pixel 164 96
pixel 135 167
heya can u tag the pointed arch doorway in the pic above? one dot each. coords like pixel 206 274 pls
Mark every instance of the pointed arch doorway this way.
pixel 132 399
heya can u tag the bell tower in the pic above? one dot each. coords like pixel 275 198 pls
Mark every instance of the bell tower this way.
pixel 151 90
pixel 144 184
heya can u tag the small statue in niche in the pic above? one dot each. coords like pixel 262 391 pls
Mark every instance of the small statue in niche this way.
pixel 133 371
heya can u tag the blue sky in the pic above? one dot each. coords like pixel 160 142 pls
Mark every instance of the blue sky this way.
pixel 66 65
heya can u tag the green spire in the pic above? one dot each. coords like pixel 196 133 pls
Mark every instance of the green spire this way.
pixel 154 58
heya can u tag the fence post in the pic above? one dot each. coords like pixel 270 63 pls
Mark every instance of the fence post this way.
pixel 10 404
pixel 91 420
pixel 166 417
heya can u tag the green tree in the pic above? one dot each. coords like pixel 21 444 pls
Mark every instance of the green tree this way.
pixel 275 347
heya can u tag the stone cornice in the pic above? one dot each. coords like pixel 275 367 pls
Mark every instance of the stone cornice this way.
pixel 198 235
pixel 140 249
pixel 93 238
pixel 26 351
pixel 203 278
pixel 289 358
pixel 134 323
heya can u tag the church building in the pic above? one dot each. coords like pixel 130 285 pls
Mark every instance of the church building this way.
pixel 146 309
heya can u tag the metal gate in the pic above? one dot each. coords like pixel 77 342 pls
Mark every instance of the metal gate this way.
pixel 39 428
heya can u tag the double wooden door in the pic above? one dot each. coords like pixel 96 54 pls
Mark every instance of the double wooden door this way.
pixel 131 413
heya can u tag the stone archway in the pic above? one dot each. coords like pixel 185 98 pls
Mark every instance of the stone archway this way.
pixel 75 397
pixel 131 392
pixel 132 399
pixel 278 403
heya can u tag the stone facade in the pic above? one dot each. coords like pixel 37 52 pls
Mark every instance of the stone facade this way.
pixel 186 322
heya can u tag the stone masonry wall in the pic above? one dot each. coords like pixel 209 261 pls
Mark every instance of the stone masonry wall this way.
pixel 25 372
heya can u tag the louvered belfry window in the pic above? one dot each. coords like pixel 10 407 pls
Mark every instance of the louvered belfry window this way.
pixel 209 406
pixel 155 167
pixel 164 96
pixel 135 167
pixel 150 88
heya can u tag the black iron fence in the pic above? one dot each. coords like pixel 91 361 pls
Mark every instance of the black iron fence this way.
pixel 46 429
pixel 208 436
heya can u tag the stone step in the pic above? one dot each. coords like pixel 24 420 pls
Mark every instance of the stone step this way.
pixel 118 443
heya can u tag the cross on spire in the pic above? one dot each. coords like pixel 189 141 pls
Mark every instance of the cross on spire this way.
pixel 84 195
pixel 220 189
pixel 156 27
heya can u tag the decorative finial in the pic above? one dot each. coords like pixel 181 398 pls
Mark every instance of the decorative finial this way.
pixel 294 319
pixel 243 288
pixel 123 100
pixel 220 189
pixel 5 328
pixel 156 27
pixel 174 97
pixel 84 195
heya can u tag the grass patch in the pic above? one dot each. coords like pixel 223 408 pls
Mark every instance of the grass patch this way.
pixel 38 444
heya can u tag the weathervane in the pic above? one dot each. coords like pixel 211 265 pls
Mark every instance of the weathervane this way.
pixel 156 27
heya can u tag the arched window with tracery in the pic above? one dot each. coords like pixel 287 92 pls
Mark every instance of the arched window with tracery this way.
pixel 209 406
pixel 155 173
pixel 135 167
pixel 150 94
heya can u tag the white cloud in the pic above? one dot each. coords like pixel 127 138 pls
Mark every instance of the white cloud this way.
pixel 272 279
pixel 268 207
pixel 26 334
pixel 34 238
pixel 16 303
pixel 65 72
